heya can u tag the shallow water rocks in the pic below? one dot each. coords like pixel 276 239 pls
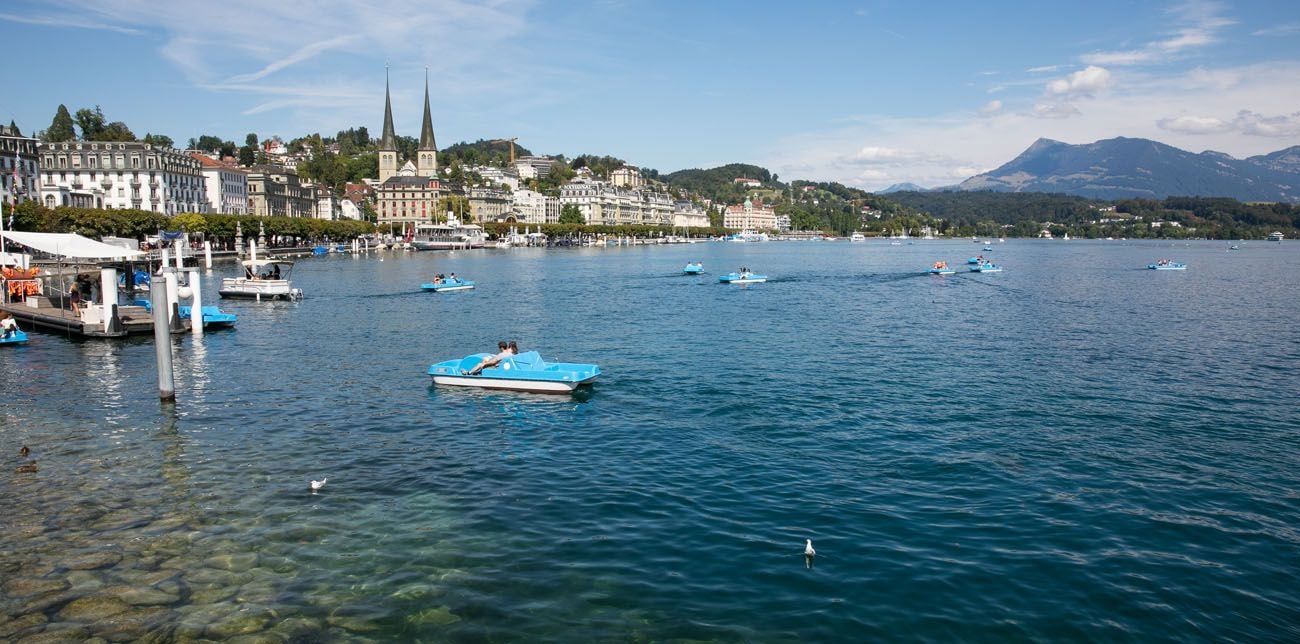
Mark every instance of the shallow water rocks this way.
pixel 147 597
pixel 212 594
pixel 92 560
pixel 245 621
pixel 26 587
pixel 357 619
pixel 134 624
pixel 57 633
pixel 22 625
pixel 92 608
pixel 235 562
pixel 440 616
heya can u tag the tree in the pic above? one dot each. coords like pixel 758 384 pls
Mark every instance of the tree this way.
pixel 227 149
pixel 91 123
pixel 61 129
pixel 116 131
pixel 570 214
pixel 455 204
pixel 206 143
pixel 251 140
pixel 247 156
pixel 158 140
pixel 13 128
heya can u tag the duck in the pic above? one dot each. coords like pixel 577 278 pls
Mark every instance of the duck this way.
pixel 316 485
pixel 29 468
pixel 24 451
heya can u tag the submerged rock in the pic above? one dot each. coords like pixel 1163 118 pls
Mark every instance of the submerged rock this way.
pixel 22 625
pixel 136 623
pixel 57 634
pixel 148 597
pixel 236 562
pixel 92 608
pixel 92 561
pixel 440 616
pixel 26 586
pixel 245 621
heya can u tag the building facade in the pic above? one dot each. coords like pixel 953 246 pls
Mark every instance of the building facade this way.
pixel 688 215
pixel 226 185
pixel 533 207
pixel 133 175
pixel 533 167
pixel 627 177
pixel 407 195
pixel 605 204
pixel 274 191
pixel 487 204
pixel 19 165
pixel 750 216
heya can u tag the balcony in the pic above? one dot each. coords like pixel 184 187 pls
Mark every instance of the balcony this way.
pixel 135 183
pixel 77 184
pixel 106 183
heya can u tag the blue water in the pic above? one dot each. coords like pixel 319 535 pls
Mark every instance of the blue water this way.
pixel 1073 448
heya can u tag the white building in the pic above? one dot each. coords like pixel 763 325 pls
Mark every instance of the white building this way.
pixel 688 215
pixel 627 177
pixel 20 150
pixel 227 185
pixel 535 208
pixel 750 216
pixel 133 175
pixel 328 206
pixel 605 204
pixel 495 177
pixel 533 167
pixel 348 209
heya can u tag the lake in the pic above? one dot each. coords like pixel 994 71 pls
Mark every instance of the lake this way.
pixel 1075 448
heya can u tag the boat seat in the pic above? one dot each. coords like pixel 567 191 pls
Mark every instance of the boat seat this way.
pixel 525 360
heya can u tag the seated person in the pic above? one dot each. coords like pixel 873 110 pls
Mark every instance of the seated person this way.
pixel 503 352
pixel 8 325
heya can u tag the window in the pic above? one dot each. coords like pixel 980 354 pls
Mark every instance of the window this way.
pixel 135 161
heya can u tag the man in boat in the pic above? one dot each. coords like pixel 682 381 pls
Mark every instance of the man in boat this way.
pixel 8 325
pixel 503 352
pixel 452 278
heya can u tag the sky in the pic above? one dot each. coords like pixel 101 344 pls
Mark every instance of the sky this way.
pixel 868 93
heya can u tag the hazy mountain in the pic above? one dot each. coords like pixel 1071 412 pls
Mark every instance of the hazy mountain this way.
pixel 1122 168
pixel 901 187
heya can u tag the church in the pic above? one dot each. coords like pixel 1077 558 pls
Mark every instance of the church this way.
pixel 407 195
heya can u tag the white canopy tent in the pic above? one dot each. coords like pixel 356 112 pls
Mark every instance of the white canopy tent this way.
pixel 70 245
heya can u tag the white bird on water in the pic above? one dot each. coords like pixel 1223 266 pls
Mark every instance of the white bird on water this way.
pixel 316 485
pixel 808 549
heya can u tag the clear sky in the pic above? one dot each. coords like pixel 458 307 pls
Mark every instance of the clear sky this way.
pixel 869 93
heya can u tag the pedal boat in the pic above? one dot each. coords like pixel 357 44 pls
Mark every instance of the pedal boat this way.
pixel 212 316
pixel 18 337
pixel 942 269
pixel 524 372
pixel 693 268
pixel 742 278
pixel 1167 266
pixel 448 285
pixel 986 267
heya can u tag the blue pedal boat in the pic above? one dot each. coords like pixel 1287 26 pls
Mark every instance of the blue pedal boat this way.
pixel 976 260
pixel 212 316
pixel 742 278
pixel 986 267
pixel 524 372
pixel 693 268
pixel 18 337
pixel 448 285
pixel 1166 265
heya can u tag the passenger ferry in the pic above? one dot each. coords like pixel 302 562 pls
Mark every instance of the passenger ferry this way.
pixel 448 236
pixel 1275 236
pixel 857 237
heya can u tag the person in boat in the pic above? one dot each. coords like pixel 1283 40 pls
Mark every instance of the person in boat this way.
pixel 275 272
pixel 437 279
pixel 503 352
pixel 514 348
pixel 452 278
pixel 8 325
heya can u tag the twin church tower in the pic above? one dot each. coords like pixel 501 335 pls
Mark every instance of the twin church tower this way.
pixel 426 161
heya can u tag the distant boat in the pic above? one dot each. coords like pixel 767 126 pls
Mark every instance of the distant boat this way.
pixel 693 268
pixel 17 337
pixel 941 268
pixel 1167 265
pixel 1234 247
pixel 988 247
pixel 857 237
pixel 976 260
pixel 1275 236
pixel 742 277
pixel 986 267
pixel 264 279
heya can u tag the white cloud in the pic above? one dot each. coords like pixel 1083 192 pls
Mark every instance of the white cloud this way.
pixel 1194 124
pixel 1201 21
pixel 1246 122
pixel 1278 30
pixel 990 108
pixel 1052 110
pixel 306 52
pixel 873 175
pixel 67 21
pixel 1085 82
pixel 1046 69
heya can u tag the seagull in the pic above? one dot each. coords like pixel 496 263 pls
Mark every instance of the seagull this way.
pixel 808 549
pixel 316 485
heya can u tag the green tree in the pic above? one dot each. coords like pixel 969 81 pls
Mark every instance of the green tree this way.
pixel 251 140
pixel 454 204
pixel 206 143
pixel 158 140
pixel 569 214
pixel 247 156
pixel 116 131
pixel 61 129
pixel 91 123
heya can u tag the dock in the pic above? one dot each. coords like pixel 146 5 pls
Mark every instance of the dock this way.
pixel 39 312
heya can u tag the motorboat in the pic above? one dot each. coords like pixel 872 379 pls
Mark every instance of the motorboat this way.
pixel 942 268
pixel 1167 265
pixel 857 237
pixel 524 372
pixel 693 268
pixel 212 316
pixel 987 247
pixel 17 337
pixel 986 267
pixel 448 284
pixel 1275 236
pixel 742 277
pixel 264 279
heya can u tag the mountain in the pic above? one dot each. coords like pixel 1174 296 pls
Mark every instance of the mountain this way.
pixel 901 187
pixel 1123 168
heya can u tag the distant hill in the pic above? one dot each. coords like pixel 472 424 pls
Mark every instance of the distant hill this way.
pixel 901 187
pixel 482 152
pixel 1123 168
pixel 719 184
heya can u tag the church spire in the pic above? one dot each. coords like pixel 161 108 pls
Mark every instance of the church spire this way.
pixel 426 130
pixel 389 140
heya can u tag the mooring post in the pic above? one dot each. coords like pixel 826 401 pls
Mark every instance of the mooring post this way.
pixel 196 303
pixel 207 254
pixel 108 297
pixel 162 342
